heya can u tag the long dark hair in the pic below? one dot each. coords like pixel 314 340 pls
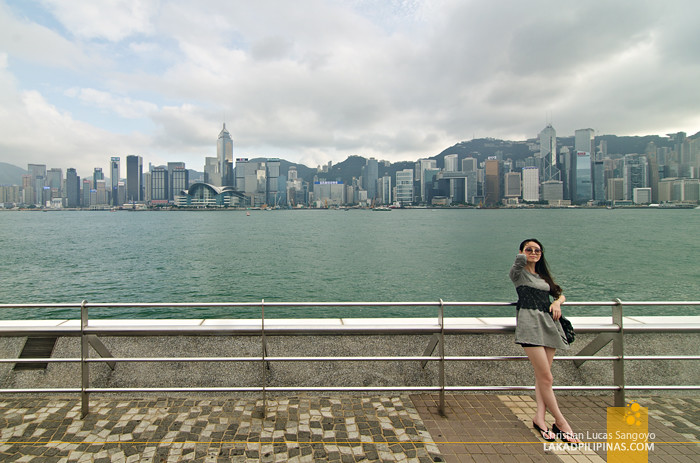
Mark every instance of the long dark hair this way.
pixel 543 270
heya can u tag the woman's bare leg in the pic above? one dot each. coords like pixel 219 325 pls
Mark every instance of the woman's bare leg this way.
pixel 541 359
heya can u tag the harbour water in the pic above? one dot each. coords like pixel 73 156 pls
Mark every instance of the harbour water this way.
pixel 337 255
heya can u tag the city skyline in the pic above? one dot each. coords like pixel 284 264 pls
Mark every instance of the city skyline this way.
pixel 579 172
pixel 322 81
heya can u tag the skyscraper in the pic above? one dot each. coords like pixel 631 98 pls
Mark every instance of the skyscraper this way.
pixel 451 163
pixel 384 190
pixel 224 153
pixel 37 183
pixel 635 175
pixel 72 188
pixel 87 189
pixel 404 186
pixel 492 182
pixel 211 171
pixel 134 178
pixel 582 181
pixel 178 179
pixel 423 165
pixel 54 180
pixel 548 153
pixel 273 186
pixel 159 184
pixel 114 168
pixel 512 185
pixel 469 164
pixel 531 184
pixel 370 177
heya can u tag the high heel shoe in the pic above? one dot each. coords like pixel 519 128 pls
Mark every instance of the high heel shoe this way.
pixel 567 437
pixel 544 433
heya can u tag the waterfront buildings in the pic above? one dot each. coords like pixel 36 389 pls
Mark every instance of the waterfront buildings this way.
pixel 134 178
pixel 512 184
pixel 114 179
pixel 72 188
pixel 160 185
pixel 636 174
pixel 384 190
pixel 178 179
pixel 422 166
pixel 578 170
pixel 224 155
pixel 493 182
pixel 451 162
pixel 404 187
pixel 211 171
pixel 548 154
pixel 531 184
pixel 370 177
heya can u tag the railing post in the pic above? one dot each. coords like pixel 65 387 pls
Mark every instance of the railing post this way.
pixel 84 365
pixel 264 351
pixel 619 351
pixel 442 358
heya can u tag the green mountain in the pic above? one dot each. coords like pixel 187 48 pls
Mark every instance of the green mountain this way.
pixel 11 175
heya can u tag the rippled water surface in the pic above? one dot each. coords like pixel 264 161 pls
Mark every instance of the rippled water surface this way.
pixel 335 255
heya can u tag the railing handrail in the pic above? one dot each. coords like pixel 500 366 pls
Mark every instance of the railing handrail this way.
pixel 268 303
pixel 89 336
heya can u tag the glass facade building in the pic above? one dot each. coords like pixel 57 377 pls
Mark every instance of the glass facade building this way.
pixel 159 184
pixel 72 188
pixel 114 168
pixel 224 155
pixel 583 187
pixel 404 187
pixel 134 178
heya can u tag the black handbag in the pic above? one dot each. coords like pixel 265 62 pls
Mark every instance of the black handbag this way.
pixel 568 329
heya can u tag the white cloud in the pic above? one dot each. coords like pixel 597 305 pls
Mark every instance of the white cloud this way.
pixel 112 20
pixel 319 80
pixel 123 106
pixel 33 42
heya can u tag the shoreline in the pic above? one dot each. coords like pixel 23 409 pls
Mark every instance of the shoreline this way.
pixel 351 208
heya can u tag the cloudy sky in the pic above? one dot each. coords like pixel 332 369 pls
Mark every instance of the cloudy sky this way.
pixel 314 81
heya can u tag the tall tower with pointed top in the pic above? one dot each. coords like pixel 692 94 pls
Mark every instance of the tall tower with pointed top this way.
pixel 224 153
pixel 548 153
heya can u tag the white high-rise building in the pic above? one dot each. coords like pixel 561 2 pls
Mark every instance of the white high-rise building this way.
pixel 404 186
pixel 451 163
pixel 531 184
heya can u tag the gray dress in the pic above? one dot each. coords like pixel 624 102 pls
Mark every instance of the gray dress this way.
pixel 534 323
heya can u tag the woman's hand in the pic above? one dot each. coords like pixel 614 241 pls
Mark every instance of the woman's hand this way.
pixel 555 309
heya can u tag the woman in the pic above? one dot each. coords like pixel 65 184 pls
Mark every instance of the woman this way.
pixel 540 333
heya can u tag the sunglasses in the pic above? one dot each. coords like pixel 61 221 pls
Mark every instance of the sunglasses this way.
pixel 533 250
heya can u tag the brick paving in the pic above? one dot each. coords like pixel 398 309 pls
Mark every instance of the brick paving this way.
pixel 477 427
pixel 497 428
pixel 303 429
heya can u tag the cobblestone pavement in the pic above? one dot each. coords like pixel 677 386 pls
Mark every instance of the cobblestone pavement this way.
pixel 304 429
pixel 477 427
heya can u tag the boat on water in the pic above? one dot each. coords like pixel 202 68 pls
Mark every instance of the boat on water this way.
pixel 381 208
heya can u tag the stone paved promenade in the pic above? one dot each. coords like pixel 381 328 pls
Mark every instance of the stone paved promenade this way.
pixel 478 427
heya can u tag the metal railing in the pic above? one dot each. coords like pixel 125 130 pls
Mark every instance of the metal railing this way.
pixel 89 336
